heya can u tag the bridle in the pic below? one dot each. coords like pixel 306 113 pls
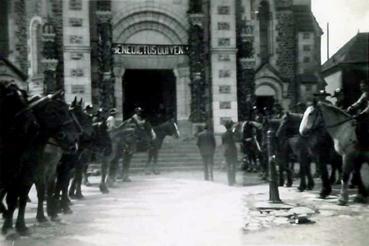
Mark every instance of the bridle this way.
pixel 323 125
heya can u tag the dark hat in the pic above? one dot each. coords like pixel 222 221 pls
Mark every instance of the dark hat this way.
pixel 113 111
pixel 138 109
pixel 228 124
pixel 337 92
pixel 322 93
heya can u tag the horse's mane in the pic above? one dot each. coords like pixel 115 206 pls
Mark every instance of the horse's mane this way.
pixel 335 109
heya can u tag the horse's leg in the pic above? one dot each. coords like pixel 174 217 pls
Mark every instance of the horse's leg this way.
pixel 211 164
pixel 149 162
pixel 309 176
pixel 326 184
pixel 362 192
pixel 78 179
pixel 40 188
pixel 126 165
pixel 23 197
pixel 104 170
pixel 155 157
pixel 11 201
pixel 348 166
pixel 2 206
pixel 51 201
pixel 303 164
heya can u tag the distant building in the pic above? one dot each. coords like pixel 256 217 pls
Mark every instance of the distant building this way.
pixel 347 67
pixel 243 52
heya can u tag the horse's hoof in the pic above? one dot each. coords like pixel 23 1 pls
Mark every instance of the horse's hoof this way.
pixel 104 189
pixel 67 210
pixel 23 230
pixel 360 199
pixel 310 187
pixel 289 184
pixel 6 227
pixel 301 188
pixel 79 196
pixel 73 196
pixel 342 202
pixel 41 219
pixel 55 218
pixel 156 172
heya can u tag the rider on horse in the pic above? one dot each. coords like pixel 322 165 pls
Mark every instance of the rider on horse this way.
pixel 362 104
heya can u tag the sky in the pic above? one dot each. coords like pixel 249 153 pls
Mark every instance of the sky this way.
pixel 345 18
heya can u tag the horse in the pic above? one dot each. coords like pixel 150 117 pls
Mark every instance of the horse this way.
pixel 18 129
pixel 315 143
pixel 291 142
pixel 52 152
pixel 341 127
pixel 55 123
pixel 246 134
pixel 168 128
pixel 85 146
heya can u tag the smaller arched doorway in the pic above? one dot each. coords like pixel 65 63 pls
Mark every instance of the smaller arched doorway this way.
pixel 266 95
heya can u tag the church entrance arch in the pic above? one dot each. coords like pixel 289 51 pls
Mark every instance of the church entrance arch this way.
pixel 158 83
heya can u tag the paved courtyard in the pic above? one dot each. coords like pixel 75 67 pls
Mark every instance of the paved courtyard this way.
pixel 175 209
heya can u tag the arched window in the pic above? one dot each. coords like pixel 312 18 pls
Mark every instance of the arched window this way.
pixel 36 46
pixel 264 25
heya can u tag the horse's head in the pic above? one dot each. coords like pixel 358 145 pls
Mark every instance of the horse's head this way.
pixel 57 122
pixel 173 129
pixel 289 124
pixel 312 119
pixel 13 101
pixel 82 120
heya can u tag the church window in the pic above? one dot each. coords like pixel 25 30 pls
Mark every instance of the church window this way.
pixel 225 105
pixel 225 89
pixel 78 89
pixel 75 4
pixel 224 57
pixel 224 73
pixel 36 47
pixel 264 22
pixel 224 42
pixel 224 26
pixel 224 10
pixel 78 72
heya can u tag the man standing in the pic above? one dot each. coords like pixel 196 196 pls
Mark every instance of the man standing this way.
pixel 230 152
pixel 206 144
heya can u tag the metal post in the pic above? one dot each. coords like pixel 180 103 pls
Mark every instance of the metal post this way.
pixel 273 185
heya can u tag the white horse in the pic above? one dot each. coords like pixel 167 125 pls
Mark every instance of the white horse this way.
pixel 341 126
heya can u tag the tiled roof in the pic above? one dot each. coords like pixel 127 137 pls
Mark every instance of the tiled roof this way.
pixel 354 51
pixel 305 20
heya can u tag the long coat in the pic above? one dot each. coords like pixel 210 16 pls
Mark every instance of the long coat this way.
pixel 206 143
pixel 230 148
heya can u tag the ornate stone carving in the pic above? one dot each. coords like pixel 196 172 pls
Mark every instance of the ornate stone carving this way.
pixel 77 72
pixel 75 4
pixel 75 39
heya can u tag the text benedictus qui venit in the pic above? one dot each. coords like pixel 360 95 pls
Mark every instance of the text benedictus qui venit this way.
pixel 150 49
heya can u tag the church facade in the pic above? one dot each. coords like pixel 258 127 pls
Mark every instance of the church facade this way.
pixel 240 53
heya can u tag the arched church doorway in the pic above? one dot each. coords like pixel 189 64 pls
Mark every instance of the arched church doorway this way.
pixel 152 89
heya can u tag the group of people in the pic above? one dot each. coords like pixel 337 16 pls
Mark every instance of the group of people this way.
pixel 255 136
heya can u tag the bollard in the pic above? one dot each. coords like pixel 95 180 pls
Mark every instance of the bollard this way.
pixel 273 185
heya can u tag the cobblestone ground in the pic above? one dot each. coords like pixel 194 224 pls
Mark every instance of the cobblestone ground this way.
pixel 178 208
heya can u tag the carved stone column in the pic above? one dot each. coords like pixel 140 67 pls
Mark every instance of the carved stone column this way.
pixel 106 74
pixel 198 85
pixel 49 61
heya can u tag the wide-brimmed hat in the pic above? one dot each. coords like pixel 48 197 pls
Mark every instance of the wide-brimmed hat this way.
pixel 113 111
pixel 337 92
pixel 322 93
pixel 138 109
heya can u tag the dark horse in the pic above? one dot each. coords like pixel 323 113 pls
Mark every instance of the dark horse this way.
pixel 55 123
pixel 18 129
pixel 316 147
pixel 143 142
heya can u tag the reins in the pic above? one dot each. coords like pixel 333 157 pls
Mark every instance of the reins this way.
pixel 339 123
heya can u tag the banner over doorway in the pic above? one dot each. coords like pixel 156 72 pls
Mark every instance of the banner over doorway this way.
pixel 150 49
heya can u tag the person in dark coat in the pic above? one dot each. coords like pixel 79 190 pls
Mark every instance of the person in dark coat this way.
pixel 230 152
pixel 206 143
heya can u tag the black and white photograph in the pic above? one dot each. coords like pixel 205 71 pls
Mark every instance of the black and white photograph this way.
pixel 184 122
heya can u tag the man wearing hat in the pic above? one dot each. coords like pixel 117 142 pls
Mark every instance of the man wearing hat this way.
pixel 206 144
pixel 321 96
pixel 230 152
pixel 110 121
pixel 338 94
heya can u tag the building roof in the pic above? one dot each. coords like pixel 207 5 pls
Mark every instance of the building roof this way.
pixel 354 51
pixel 305 20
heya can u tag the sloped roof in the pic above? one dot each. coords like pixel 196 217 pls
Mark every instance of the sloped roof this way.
pixel 354 51
pixel 305 20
